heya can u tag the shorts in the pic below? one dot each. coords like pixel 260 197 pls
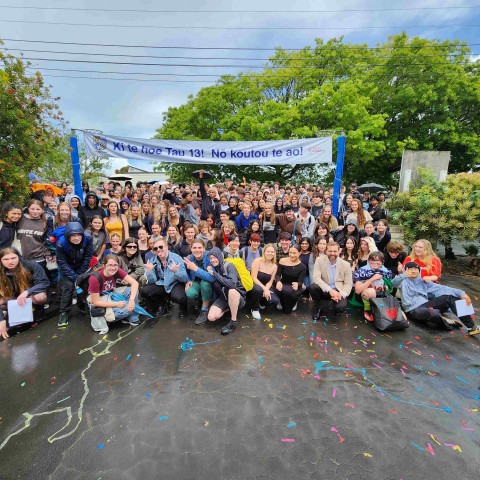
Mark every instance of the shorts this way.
pixel 222 303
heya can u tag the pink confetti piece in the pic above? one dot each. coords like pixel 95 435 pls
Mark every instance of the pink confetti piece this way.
pixel 349 405
pixel 334 393
pixel 430 449
pixel 290 440
pixel 378 366
pixel 465 428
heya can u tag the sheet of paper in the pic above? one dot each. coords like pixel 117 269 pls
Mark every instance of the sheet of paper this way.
pixel 463 308
pixel 18 315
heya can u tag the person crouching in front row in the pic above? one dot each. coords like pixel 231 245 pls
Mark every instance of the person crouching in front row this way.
pixel 166 277
pixel 332 283
pixel 230 292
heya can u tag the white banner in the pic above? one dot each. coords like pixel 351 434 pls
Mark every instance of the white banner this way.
pixel 270 152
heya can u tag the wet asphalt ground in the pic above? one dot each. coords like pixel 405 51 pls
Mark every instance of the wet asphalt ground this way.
pixel 280 398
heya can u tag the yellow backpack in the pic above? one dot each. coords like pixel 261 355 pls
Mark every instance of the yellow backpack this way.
pixel 243 273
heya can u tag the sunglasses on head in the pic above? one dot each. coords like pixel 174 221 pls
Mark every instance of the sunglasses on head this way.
pixel 160 247
pixel 132 246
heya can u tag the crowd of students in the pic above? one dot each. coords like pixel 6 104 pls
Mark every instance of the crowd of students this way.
pixel 212 249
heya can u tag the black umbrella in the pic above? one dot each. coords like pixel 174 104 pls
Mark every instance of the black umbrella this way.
pixel 371 186
pixel 206 174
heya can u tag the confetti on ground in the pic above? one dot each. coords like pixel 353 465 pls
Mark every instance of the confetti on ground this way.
pixel 63 399
pixel 415 445
pixel 288 440
pixel 333 429
pixel 22 384
pixel 291 424
pixel 100 446
pixel 349 405
pixel 334 393
pixel 367 455
pixel 260 358
pixel 462 380
pixel 128 356
pixel 162 418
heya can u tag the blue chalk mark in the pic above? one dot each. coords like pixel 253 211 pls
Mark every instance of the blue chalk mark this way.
pixel 415 445
pixel 188 344
pixel 100 446
pixel 162 418
pixel 291 424
pixel 260 358
pixel 462 380
pixel 148 395
pixel 128 357
pixel 300 338
pixel 322 366
pixel 419 389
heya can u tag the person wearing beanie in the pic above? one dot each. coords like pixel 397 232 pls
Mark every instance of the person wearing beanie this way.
pixel 418 304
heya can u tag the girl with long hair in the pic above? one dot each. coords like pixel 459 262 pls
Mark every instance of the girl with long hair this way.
pixel 358 213
pixel 430 265
pixel 135 220
pixel 132 258
pixel 349 253
pixel 19 279
pixel 143 246
pixel 253 227
pixel 278 208
pixel 10 214
pixel 228 228
pixel 99 235
pixel 115 221
pixel 268 223
pixel 322 230
pixel 327 218
pixel 147 208
pixel 263 274
pixel 32 234
pixel 366 247
pixel 174 218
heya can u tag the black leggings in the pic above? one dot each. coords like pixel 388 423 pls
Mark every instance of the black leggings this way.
pixel 156 296
pixel 289 297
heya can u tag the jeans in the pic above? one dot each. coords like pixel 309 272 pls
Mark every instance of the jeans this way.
pixel 123 313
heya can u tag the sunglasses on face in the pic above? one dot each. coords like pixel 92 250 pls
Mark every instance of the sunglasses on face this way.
pixel 132 246
pixel 160 247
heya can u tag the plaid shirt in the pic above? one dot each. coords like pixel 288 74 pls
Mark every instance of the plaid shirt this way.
pixel 281 254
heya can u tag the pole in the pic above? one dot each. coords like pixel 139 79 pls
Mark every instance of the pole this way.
pixel 338 174
pixel 77 178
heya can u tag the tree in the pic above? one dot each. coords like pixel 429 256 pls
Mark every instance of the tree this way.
pixel 30 126
pixel 408 93
pixel 122 169
pixel 440 211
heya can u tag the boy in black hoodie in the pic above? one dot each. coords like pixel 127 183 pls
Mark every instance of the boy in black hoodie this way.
pixel 74 253
pixel 90 209
pixel 228 288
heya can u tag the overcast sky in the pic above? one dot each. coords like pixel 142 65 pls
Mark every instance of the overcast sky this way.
pixel 135 109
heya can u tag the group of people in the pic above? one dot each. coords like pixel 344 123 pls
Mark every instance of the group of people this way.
pixel 211 249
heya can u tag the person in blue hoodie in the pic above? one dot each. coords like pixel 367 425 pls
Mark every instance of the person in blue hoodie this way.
pixel 431 302
pixel 245 217
pixel 199 284
pixel 74 254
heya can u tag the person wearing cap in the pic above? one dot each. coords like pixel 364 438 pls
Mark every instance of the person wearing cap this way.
pixel 419 305
pixel 355 192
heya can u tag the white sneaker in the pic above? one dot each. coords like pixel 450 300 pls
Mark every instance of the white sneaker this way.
pixel 46 306
pixel 256 315
pixel 103 332
pixel 294 307
pixel 279 306
pixel 74 301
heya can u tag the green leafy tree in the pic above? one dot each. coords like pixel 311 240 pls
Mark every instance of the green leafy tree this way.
pixel 31 126
pixel 440 211
pixel 408 93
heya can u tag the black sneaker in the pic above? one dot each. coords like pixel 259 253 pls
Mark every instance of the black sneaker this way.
pixel 317 314
pixel 229 327
pixel 202 318
pixel 63 320
pixel 162 310
pixel 475 330
pixel 182 312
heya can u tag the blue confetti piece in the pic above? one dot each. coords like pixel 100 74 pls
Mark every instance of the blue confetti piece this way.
pixel 129 355
pixel 358 338
pixel 148 395
pixel 473 371
pixel 448 410
pixel 462 380
pixel 420 368
pixel 419 389
pixel 291 424
pixel 433 364
pixel 304 323
pixel 381 304
pixel 457 405
pixel 401 346
pixel 300 338
pixel 162 418
pixel 100 446
pixel 415 445
pixel 260 358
